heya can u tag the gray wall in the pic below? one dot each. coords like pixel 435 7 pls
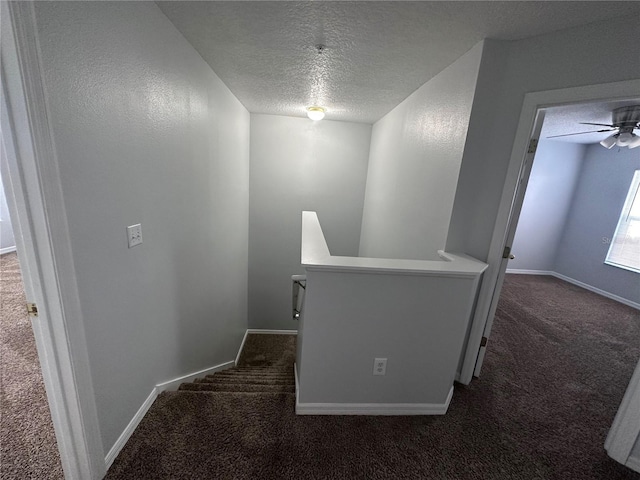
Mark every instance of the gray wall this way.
pixel 571 210
pixel 416 150
pixel 572 57
pixel 146 132
pixel 595 209
pixel 415 321
pixel 546 204
pixel 297 165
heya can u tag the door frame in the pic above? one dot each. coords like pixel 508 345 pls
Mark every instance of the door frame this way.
pixel 511 204
pixel 34 196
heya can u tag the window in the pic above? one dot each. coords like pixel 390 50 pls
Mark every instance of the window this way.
pixel 624 251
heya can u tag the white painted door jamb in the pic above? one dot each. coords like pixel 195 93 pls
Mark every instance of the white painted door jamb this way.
pixel 32 180
pixel 483 316
pixel 507 241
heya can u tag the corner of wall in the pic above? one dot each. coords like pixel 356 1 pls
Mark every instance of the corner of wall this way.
pixel 489 81
pixel 414 225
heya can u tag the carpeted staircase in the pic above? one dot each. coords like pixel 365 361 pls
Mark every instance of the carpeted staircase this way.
pixel 265 366
pixel 245 379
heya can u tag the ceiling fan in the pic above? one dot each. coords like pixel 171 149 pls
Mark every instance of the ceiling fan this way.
pixel 624 121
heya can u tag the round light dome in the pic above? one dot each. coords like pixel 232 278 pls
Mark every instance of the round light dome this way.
pixel 315 113
pixel 624 139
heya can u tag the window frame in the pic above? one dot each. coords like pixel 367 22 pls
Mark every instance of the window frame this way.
pixel 632 200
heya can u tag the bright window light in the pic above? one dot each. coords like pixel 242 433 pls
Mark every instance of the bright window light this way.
pixel 624 251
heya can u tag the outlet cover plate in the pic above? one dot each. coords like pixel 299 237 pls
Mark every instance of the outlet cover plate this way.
pixel 379 366
pixel 134 234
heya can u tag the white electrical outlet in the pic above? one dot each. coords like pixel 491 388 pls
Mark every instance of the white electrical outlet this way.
pixel 134 233
pixel 379 366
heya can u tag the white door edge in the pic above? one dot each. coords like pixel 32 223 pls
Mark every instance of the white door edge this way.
pixel 32 182
pixel 625 429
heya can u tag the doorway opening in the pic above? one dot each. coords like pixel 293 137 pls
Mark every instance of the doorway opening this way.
pixel 30 177
pixel 574 319
pixel 28 444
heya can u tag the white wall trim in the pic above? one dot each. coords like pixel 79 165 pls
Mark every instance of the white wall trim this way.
pixel 244 339
pixel 175 383
pixel 578 283
pixel 597 290
pixel 373 408
pixel 517 271
pixel 272 332
pixel 144 408
pixel 7 250
pixel 633 463
pixel 44 247
pixel 130 428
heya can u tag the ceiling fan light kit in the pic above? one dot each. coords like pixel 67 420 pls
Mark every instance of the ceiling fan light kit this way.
pixel 625 121
pixel 623 139
pixel 608 142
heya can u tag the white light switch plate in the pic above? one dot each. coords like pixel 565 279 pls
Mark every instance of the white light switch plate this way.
pixel 134 233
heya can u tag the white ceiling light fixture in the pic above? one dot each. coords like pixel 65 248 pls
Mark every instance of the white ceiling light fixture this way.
pixel 315 113
pixel 624 121
pixel 609 142
pixel 626 138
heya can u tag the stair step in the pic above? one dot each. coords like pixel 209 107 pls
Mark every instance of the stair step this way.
pixel 171 393
pixel 265 368
pixel 254 381
pixel 249 378
pixel 248 374
pixel 225 387
pixel 257 374
pixel 266 371
pixel 259 370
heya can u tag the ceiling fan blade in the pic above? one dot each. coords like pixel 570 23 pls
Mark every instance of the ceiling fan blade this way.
pixel 598 124
pixel 582 133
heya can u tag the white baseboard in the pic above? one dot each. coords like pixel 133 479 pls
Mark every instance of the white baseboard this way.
pixel 517 271
pixel 577 283
pixel 373 408
pixel 7 250
pixel 175 383
pixel 244 339
pixel 128 431
pixel 161 387
pixel 272 332
pixel 633 463
pixel 597 290
pixel 262 331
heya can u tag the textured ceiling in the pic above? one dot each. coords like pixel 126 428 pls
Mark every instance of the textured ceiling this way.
pixel 377 53
pixel 566 119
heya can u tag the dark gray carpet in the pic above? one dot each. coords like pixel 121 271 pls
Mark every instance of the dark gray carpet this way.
pixel 28 448
pixel 557 365
pixel 265 365
pixel 265 350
